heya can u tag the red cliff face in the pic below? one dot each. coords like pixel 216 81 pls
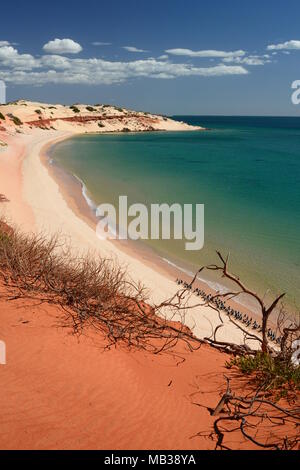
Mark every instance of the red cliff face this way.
pixel 86 119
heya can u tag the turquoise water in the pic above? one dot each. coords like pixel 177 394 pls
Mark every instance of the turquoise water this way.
pixel 245 170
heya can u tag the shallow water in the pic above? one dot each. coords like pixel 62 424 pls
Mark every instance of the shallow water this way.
pixel 245 170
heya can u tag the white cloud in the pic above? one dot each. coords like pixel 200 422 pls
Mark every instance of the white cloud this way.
pixel 97 43
pixel 26 69
pixel 249 60
pixel 133 49
pixel 163 57
pixel 58 69
pixel 205 53
pixel 57 62
pixel 4 43
pixel 62 46
pixel 10 57
pixel 290 45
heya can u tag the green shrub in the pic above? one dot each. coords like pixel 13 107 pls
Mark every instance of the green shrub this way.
pixel 100 124
pixel 91 109
pixel 38 111
pixel 16 121
pixel 2 117
pixel 75 109
pixel 270 373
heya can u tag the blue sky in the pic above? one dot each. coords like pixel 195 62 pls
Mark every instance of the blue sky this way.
pixel 174 57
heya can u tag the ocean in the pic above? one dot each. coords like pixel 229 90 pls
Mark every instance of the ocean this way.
pixel 245 170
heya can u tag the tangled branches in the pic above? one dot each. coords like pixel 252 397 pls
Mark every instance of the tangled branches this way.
pixel 90 291
pixel 271 370
pixel 266 310
pixel 96 292
pixel 260 420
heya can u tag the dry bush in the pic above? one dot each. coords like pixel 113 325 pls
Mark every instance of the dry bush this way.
pixel 258 417
pixel 90 291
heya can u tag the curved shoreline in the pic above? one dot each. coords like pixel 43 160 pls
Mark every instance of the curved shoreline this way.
pixel 72 193
pixel 167 266
pixel 55 211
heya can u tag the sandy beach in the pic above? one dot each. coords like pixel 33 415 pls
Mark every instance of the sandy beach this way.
pixel 37 202
pixel 113 399
pixel 48 212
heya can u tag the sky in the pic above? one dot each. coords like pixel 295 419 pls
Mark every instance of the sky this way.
pixel 168 56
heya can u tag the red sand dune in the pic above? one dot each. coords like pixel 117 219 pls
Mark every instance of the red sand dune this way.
pixel 61 392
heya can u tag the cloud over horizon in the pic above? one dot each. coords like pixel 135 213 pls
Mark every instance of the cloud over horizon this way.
pixel 288 45
pixel 56 68
pixel 205 53
pixel 99 43
pixel 133 49
pixel 249 60
pixel 62 46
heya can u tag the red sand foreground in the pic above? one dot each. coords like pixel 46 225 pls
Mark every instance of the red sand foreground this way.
pixel 61 392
